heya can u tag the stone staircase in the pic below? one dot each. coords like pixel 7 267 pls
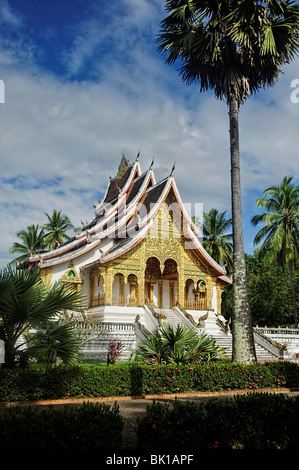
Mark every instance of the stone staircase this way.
pixel 214 326
pixel 131 325
pixel 224 341
pixel 172 317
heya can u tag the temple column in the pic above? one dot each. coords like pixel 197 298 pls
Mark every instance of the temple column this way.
pixel 91 287
pixel 181 272
pixel 122 283
pixel 151 293
pixel 210 285
pixel 160 293
pixel 141 287
pixel 171 294
pixel 141 284
pixel 220 289
pixel 108 284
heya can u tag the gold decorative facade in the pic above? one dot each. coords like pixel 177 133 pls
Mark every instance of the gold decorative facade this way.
pixel 141 248
pixel 159 271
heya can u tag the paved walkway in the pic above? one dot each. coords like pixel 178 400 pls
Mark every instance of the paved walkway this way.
pixel 132 408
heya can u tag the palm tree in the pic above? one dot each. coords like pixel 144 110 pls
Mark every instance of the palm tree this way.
pixel 234 47
pixel 27 303
pixel 178 345
pixel 281 230
pixel 57 226
pixel 215 240
pixel 33 243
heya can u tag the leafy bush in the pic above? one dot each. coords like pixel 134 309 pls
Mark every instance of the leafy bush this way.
pixel 178 345
pixel 254 421
pixel 136 379
pixel 89 426
pixel 114 350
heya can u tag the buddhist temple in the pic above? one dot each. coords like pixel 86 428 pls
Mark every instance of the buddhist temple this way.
pixel 141 255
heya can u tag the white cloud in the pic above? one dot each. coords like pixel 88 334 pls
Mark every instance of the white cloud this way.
pixel 61 139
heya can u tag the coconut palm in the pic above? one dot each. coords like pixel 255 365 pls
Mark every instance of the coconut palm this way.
pixel 26 303
pixel 280 233
pixel 33 243
pixel 57 226
pixel 234 47
pixel 215 239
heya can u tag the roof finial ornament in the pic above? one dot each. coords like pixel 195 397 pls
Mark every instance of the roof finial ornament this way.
pixel 137 158
pixel 152 163
pixel 173 168
pixel 123 166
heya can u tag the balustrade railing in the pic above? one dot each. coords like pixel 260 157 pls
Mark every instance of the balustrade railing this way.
pixel 195 304
pixel 98 301
pixel 124 301
pixel 277 331
pixel 120 301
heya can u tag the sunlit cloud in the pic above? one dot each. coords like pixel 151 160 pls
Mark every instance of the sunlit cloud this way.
pixel 63 133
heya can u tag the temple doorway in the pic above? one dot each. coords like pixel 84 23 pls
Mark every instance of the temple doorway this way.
pixel 161 283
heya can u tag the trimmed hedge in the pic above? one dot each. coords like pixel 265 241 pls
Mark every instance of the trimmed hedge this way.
pixel 256 421
pixel 89 426
pixel 135 379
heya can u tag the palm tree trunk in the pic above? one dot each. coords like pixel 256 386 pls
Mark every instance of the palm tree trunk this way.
pixel 242 331
pixel 293 292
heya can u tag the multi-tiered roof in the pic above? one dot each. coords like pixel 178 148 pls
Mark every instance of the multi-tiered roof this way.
pixel 124 217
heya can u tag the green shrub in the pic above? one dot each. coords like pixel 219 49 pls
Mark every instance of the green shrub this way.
pixel 136 379
pixel 255 421
pixel 88 426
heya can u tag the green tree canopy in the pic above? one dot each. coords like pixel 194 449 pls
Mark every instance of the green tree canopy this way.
pixel 216 240
pixel 280 234
pixel 270 294
pixel 235 48
pixel 32 243
pixel 56 228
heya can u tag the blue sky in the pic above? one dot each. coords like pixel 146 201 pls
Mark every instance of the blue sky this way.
pixel 84 82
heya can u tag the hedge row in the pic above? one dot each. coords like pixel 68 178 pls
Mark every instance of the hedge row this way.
pixel 90 426
pixel 136 379
pixel 256 421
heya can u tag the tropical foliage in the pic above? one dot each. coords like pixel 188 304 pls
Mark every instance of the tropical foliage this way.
pixel 280 233
pixel 29 314
pixel 215 239
pixel 32 243
pixel 36 239
pixel 56 228
pixel 270 293
pixel 177 345
pixel 234 48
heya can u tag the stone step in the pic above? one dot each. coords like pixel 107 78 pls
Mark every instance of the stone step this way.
pixel 224 341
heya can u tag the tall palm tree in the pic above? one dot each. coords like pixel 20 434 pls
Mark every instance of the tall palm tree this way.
pixel 281 230
pixel 26 302
pixel 215 239
pixel 33 243
pixel 57 226
pixel 234 47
